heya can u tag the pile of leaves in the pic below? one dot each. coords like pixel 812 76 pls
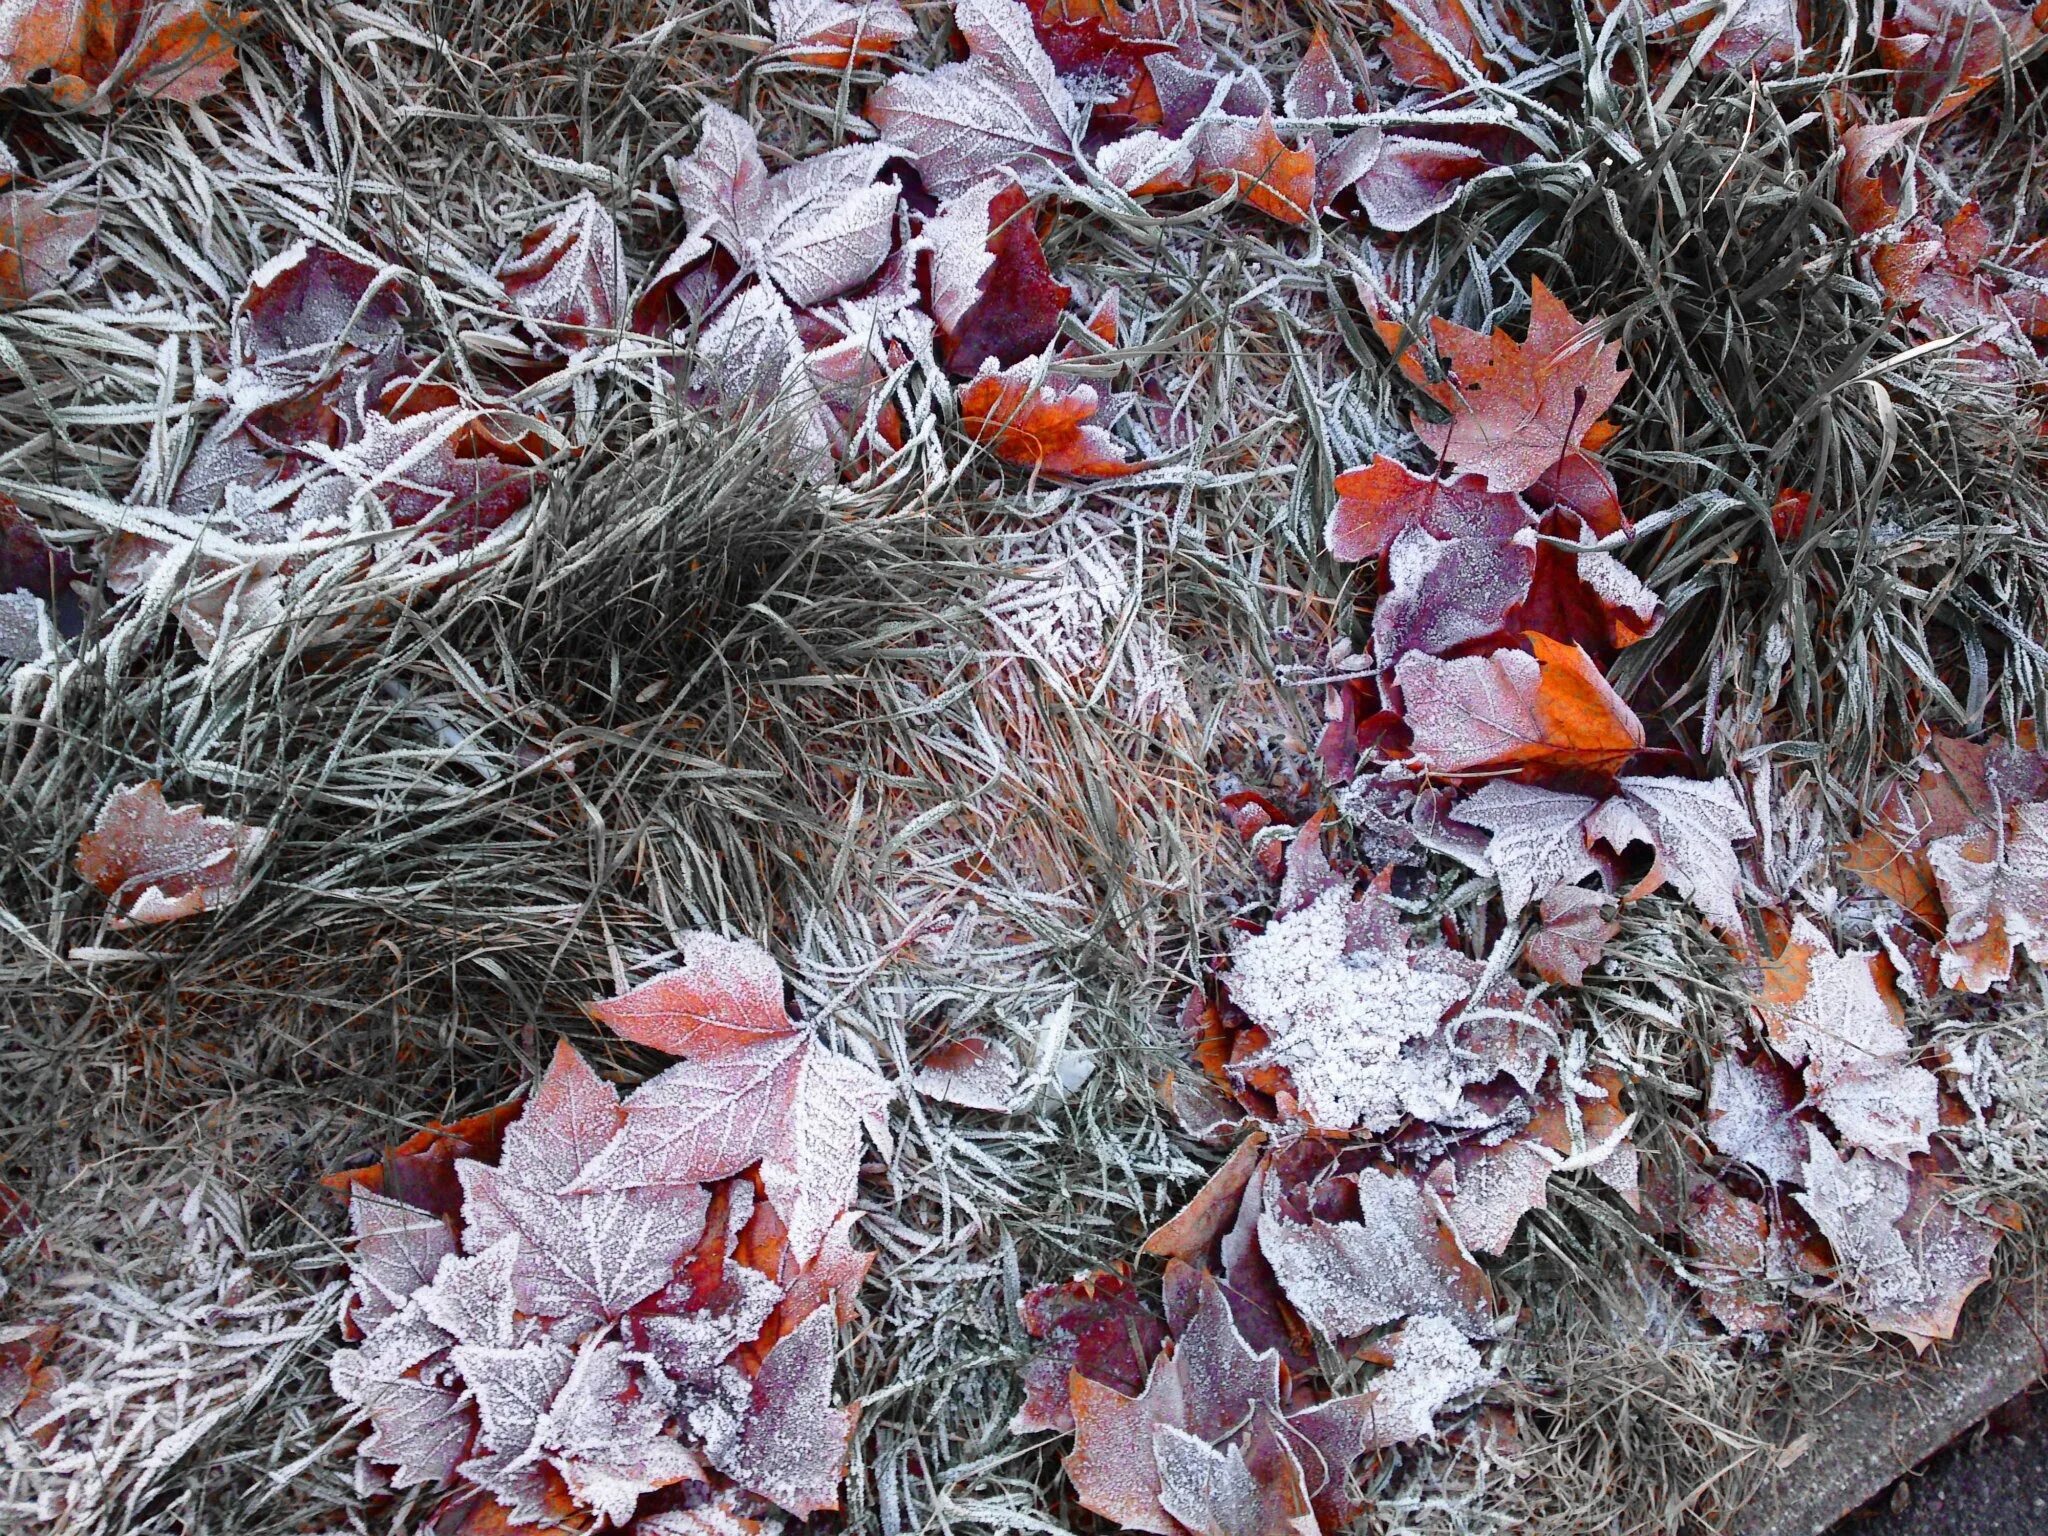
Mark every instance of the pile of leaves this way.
pixel 575 1307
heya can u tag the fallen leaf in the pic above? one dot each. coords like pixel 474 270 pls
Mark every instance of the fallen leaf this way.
pixel 1399 1258
pixel 1041 421
pixel 727 995
pixel 1246 159
pixel 1752 1115
pixel 37 243
pixel 813 230
pixel 1431 1366
pixel 991 292
pixel 569 276
pixel 1515 712
pixel 1515 408
pixel 1382 500
pixel 1908 1256
pixel 1442 53
pixel 1005 108
pixel 1691 827
pixel 158 863
pixel 1941 53
pixel 1574 934
pixel 835 34
pixel 1096 1324
pixel 1839 1018
pixel 89 53
pixel 311 307
pixel 793 1443
pixel 973 1072
pixel 1730 1240
pixel 1444 594
pixel 1994 890
pixel 1399 181
pixel 1319 87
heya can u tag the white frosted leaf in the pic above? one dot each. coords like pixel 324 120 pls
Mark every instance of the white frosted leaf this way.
pixel 604 1432
pixel 792 1446
pixel 1338 1015
pixel 1471 711
pixel 824 225
pixel 975 1073
pixel 513 1388
pixel 1433 1367
pixel 1994 894
pixel 1397 1260
pixel 1318 87
pixel 1694 824
pixel 471 1299
pixel 957 235
pixel 691 1345
pixel 1486 1191
pixel 1846 1028
pixel 812 1170
pixel 1749 1118
pixel 721 183
pixel 1539 838
pixel 587 1255
pixel 1210 1491
pixel 832 29
pixel 571 271
pixel 701 1120
pixel 750 354
pixel 421 1424
pixel 398 1249
pixel 1146 160
pixel 1005 108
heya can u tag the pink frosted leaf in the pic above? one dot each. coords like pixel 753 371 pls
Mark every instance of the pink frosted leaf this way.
pixel 471 1299
pixel 701 1120
pixel 398 1249
pixel 513 1389
pixel 726 996
pixel 1445 593
pixel 1750 1117
pixel 569 275
pixel 792 1445
pixel 421 1423
pixel 1112 1466
pixel 812 1171
pixel 309 300
pixel 1005 108
pixel 1319 87
pixel 1222 1379
pixel 1538 842
pixel 1575 932
pixel 813 230
pixel 604 1433
pixel 567 1122
pixel 1487 1190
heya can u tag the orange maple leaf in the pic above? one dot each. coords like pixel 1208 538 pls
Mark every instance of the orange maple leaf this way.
pixel 1516 408
pixel 1047 424
pixel 1516 712
pixel 1246 157
pixel 85 53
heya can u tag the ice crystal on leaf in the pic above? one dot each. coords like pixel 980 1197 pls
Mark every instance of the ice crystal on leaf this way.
pixel 158 862
pixel 593 1342
pixel 832 34
pixel 1005 108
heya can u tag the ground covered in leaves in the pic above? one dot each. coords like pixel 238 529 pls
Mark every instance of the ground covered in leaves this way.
pixel 992 766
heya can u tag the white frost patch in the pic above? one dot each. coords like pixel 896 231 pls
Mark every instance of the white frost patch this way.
pixel 1433 1367
pixel 1337 1021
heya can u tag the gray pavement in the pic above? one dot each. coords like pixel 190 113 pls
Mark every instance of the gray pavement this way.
pixel 1993 1482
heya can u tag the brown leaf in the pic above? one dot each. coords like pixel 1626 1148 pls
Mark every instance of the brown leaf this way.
pixel 1516 408
pixel 836 34
pixel 1574 934
pixel 1994 889
pixel 1423 56
pixel 88 53
pixel 158 863
pixel 1097 1325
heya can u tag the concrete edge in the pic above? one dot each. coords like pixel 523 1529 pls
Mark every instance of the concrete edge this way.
pixel 1887 1428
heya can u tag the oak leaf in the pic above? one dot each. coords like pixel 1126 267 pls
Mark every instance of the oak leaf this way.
pixel 157 862
pixel 1514 711
pixel 1515 408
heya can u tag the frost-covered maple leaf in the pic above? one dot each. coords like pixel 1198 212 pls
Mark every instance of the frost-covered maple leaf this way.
pixel 1515 711
pixel 569 276
pixel 831 34
pixel 1839 1017
pixel 1751 1116
pixel 1380 501
pixel 1042 421
pixel 991 292
pixel 1994 892
pixel 974 1072
pixel 755 1088
pixel 813 230
pixel 88 53
pixel 159 862
pixel 1004 108
pixel 1095 1324
pixel 1398 1258
pixel 1576 927
pixel 1515 408
pixel 1442 594
pixel 1338 1009
pixel 1908 1256
pixel 37 242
